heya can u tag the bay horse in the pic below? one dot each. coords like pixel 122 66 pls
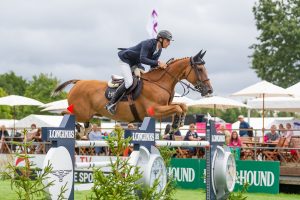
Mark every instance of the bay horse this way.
pixel 87 97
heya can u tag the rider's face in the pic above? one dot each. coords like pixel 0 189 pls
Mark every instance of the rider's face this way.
pixel 166 43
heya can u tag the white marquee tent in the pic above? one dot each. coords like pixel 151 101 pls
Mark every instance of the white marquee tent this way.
pixel 40 121
pixel 285 104
pixel 295 89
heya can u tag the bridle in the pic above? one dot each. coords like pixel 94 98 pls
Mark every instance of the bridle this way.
pixel 200 84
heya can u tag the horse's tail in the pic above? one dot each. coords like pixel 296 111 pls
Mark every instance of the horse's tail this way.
pixel 59 88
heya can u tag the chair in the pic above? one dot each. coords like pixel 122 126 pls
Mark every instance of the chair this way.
pixel 294 154
pixel 274 154
pixel 246 154
pixel 178 138
pixel 4 148
pixel 180 152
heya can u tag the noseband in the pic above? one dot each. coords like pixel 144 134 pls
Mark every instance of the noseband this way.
pixel 200 84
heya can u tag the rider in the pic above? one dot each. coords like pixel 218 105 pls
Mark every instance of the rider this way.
pixel 146 52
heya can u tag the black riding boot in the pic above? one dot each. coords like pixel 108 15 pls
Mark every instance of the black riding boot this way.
pixel 111 106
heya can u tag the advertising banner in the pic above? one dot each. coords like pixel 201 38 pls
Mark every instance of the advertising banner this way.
pixel 261 176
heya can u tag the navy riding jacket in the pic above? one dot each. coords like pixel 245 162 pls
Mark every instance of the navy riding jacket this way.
pixel 141 53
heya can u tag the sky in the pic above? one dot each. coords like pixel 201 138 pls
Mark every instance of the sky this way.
pixel 78 39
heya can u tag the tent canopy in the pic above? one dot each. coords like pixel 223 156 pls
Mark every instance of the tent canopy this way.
pixel 263 88
pixel 294 89
pixel 216 102
pixel 40 121
pixel 8 123
pixel 286 104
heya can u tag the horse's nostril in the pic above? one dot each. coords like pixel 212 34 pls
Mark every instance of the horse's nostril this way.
pixel 210 91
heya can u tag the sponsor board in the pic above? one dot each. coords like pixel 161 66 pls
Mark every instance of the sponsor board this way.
pixel 261 176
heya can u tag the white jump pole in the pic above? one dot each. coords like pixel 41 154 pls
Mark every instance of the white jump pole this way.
pixel 88 165
pixel 157 143
pixel 79 143
pixel 182 143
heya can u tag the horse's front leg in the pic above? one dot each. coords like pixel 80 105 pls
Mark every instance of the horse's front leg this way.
pixel 165 111
pixel 184 108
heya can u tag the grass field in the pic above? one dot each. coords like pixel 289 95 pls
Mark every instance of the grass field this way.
pixel 7 194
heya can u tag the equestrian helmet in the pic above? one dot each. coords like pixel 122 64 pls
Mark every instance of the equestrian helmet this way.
pixel 164 34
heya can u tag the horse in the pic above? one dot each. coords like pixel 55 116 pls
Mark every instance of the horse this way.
pixel 87 97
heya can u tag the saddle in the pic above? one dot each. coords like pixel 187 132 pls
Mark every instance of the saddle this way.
pixel 134 91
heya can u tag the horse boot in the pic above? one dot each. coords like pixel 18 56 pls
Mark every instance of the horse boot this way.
pixel 111 106
pixel 182 118
pixel 175 124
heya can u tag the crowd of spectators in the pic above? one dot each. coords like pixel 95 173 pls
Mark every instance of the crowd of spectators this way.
pixel 233 139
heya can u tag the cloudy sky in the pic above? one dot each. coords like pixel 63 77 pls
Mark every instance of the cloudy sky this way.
pixel 78 39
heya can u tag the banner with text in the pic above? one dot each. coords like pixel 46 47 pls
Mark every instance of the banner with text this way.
pixel 261 176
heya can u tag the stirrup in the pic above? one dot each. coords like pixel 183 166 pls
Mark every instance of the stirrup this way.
pixel 111 108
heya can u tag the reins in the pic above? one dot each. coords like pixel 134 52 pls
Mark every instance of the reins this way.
pixel 186 87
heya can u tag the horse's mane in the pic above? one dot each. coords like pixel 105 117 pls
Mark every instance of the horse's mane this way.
pixel 169 64
pixel 175 60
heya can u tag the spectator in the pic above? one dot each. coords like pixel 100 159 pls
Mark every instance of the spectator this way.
pixel 96 135
pixel 79 131
pixel 272 136
pixel 250 132
pixel 281 130
pixel 128 150
pixel 31 134
pixel 3 134
pixel 224 131
pixel 243 126
pixel 191 135
pixel 130 126
pixel 235 141
pixel 169 134
pixel 113 133
pixel 38 138
pixel 288 134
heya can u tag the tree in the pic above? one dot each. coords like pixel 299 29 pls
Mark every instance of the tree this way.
pixel 13 84
pixel 276 57
pixel 5 111
pixel 41 87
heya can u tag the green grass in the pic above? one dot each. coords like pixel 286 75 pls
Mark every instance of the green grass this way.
pixel 7 194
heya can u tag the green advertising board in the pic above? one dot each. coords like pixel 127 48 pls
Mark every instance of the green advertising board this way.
pixel 187 172
pixel 261 176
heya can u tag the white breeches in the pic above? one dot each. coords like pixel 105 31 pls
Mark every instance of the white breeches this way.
pixel 126 73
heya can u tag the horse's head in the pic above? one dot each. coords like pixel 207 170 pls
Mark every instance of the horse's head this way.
pixel 197 74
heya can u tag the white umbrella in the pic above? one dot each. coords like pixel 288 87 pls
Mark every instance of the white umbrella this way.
pixel 179 99
pixel 294 89
pixel 263 89
pixel 14 100
pixel 216 102
pixel 286 104
pixel 56 106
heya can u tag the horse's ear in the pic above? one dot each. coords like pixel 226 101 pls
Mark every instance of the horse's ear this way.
pixel 197 57
pixel 198 54
pixel 202 55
